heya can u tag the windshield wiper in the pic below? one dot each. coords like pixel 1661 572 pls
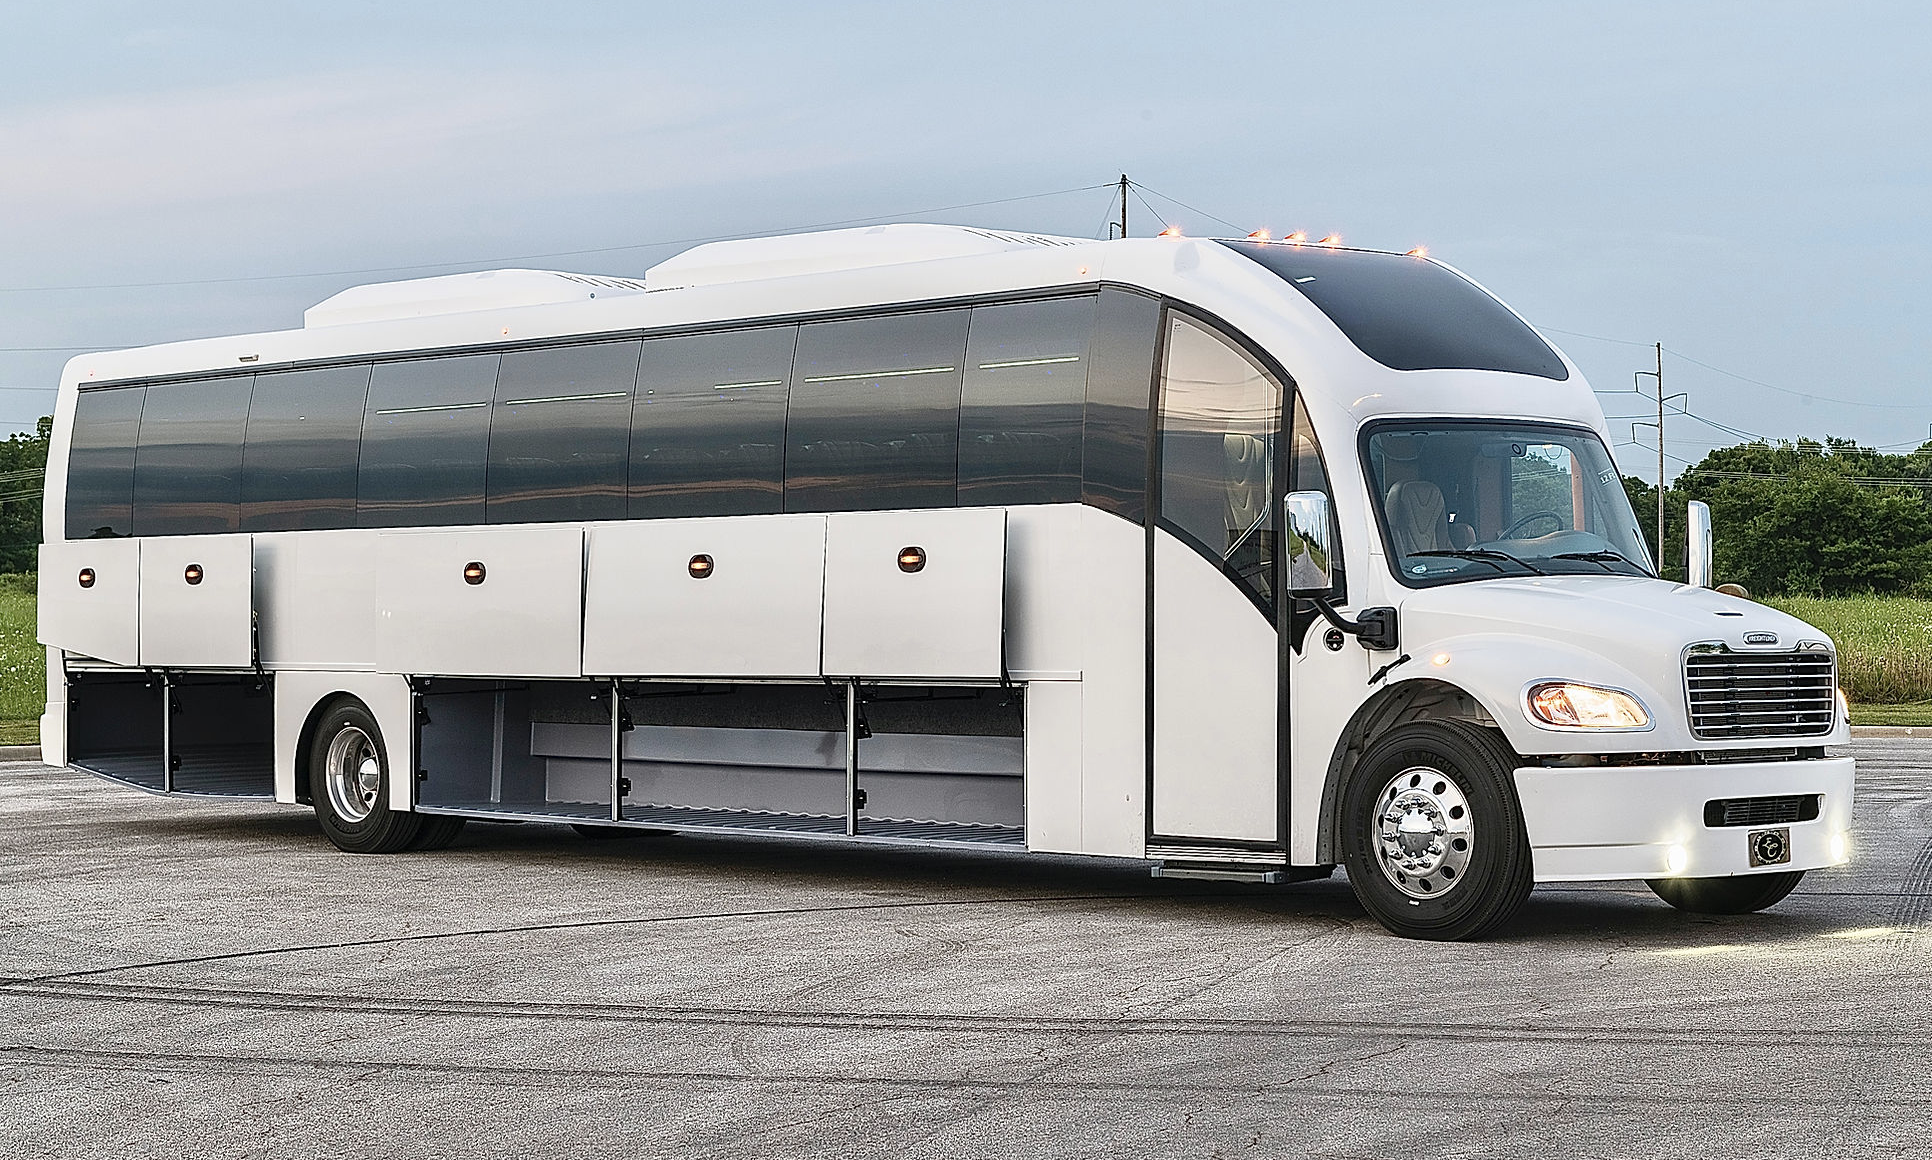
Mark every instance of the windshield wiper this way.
pixel 1602 557
pixel 1486 555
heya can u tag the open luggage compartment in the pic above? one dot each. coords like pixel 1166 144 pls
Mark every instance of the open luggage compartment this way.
pixel 935 764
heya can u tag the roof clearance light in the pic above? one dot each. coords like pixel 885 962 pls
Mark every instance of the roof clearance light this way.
pixel 1170 232
pixel 1332 240
pixel 1298 237
pixel 1419 252
pixel 1260 236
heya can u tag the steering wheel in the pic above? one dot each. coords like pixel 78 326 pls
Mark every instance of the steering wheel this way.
pixel 1511 532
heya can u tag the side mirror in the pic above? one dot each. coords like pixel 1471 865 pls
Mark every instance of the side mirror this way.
pixel 1309 573
pixel 1697 556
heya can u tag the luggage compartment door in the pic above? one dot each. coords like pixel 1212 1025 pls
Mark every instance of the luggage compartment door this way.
pixel 90 598
pixel 736 597
pixel 481 602
pixel 198 602
pixel 916 595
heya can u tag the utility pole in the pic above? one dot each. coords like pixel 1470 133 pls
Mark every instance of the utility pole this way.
pixel 1123 205
pixel 1662 398
pixel 1660 455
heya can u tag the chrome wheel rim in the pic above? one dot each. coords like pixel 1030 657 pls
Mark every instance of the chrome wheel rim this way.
pixel 353 773
pixel 1424 835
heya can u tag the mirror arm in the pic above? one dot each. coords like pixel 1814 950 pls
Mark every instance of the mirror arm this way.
pixel 1375 628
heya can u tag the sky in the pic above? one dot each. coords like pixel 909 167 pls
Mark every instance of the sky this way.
pixel 1746 183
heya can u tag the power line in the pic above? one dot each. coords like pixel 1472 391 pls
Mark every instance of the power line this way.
pixel 1595 337
pixel 1185 206
pixel 551 254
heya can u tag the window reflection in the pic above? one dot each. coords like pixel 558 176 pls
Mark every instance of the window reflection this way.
pixel 1218 416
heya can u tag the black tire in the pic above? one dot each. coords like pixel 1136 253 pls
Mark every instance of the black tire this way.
pixel 1465 867
pixel 600 833
pixel 1740 894
pixel 353 804
pixel 437 832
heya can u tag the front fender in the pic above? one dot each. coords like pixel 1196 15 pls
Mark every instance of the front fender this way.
pixel 1496 669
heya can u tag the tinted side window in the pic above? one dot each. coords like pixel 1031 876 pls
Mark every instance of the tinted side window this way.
pixel 100 463
pixel 304 436
pixel 425 442
pixel 187 469
pixel 1020 409
pixel 1113 474
pixel 708 427
pixel 560 433
pixel 874 418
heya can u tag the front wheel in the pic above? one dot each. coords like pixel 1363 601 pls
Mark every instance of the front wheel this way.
pixel 1742 894
pixel 349 783
pixel 1432 833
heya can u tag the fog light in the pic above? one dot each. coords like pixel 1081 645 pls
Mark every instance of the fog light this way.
pixel 1841 847
pixel 1676 860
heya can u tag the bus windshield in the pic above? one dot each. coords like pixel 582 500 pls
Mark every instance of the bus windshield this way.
pixel 1471 500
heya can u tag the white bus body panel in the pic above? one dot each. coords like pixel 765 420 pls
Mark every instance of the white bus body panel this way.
pixel 205 625
pixel 1214 702
pixel 942 622
pixel 1113 686
pixel 102 621
pixel 315 598
pixel 757 614
pixel 526 619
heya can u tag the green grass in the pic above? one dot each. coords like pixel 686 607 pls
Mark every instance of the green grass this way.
pixel 1919 715
pixel 1884 651
pixel 23 663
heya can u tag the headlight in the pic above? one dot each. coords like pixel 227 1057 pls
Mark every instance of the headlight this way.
pixel 1585 707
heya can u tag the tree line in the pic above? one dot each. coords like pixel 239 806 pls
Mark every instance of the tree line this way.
pixel 1804 518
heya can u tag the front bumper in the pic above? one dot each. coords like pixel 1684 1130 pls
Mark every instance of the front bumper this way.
pixel 1625 821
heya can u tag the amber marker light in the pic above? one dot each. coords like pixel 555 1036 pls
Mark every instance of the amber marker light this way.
pixel 473 572
pixel 1260 236
pixel 701 566
pixel 1439 660
pixel 1170 232
pixel 1298 237
pixel 192 573
pixel 86 577
pixel 1332 240
pixel 1419 252
pixel 912 559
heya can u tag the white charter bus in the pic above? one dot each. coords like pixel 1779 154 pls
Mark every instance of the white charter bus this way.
pixel 1244 558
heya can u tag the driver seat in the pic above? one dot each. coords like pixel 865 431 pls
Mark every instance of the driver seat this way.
pixel 1417 519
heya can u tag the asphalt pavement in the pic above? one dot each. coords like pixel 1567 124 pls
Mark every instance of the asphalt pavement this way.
pixel 194 978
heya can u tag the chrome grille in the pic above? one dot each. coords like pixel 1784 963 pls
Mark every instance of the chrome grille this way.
pixel 1759 694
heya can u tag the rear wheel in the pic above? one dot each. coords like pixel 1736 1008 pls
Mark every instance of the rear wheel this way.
pixel 437 832
pixel 349 783
pixel 1432 833
pixel 1742 894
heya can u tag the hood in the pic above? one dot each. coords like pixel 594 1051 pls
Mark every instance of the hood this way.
pixel 1614 614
